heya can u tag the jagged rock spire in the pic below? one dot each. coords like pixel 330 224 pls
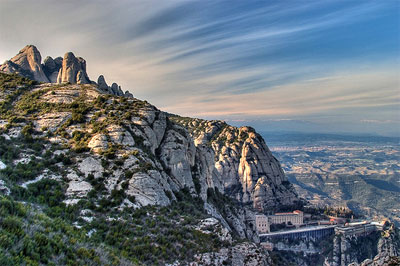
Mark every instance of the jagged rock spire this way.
pixel 27 63
pixel 73 70
pixel 70 69
pixel 114 89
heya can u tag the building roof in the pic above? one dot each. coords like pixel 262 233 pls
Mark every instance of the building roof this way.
pixel 296 212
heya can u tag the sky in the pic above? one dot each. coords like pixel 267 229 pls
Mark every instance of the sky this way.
pixel 310 66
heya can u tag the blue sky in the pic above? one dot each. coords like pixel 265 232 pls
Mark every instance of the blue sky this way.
pixel 318 66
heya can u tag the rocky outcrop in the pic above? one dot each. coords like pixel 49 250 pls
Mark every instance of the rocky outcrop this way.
pixel 73 70
pixel 51 68
pixel 26 63
pixel 69 69
pixel 114 89
pixel 240 255
pixel 177 153
pixel 376 249
pixel 242 165
pixel 388 249
pixel 101 82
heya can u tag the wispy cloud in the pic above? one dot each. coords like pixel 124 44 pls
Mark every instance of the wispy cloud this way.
pixel 227 59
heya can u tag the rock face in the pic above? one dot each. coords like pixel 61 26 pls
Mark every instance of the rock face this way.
pixel 69 69
pixel 52 67
pixel 237 162
pixel 27 63
pixel 240 255
pixel 73 70
pixel 102 83
pixel 388 250
pixel 353 250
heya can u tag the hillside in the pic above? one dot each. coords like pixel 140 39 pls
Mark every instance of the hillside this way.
pixel 93 170
pixel 93 176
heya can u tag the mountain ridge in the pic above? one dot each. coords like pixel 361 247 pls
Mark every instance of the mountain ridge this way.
pixel 113 153
pixel 70 69
pixel 244 159
pixel 115 180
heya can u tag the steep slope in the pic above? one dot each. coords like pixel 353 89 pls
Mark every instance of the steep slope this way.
pixel 120 152
pixel 160 153
pixel 238 162
pixel 378 248
pixel 79 158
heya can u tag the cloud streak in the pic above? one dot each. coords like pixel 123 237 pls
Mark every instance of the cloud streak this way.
pixel 219 59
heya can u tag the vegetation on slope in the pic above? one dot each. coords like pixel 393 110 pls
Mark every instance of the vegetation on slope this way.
pixel 38 234
pixel 38 227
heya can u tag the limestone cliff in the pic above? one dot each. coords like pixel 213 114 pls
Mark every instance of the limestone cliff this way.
pixel 238 163
pixel 375 249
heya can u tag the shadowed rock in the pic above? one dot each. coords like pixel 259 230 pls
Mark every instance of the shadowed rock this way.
pixel 51 68
pixel 102 83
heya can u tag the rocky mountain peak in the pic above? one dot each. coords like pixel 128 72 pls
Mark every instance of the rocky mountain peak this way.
pixel 70 69
pixel 32 53
pixel 101 81
pixel 27 63
pixel 73 70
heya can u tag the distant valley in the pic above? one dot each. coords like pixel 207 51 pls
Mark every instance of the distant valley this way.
pixel 360 172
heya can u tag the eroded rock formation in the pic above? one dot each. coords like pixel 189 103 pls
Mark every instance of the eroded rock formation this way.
pixel 52 67
pixel 238 163
pixel 70 69
pixel 26 63
pixel 114 89
pixel 73 70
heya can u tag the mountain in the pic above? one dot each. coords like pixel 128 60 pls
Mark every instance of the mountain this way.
pixel 91 156
pixel 236 161
pixel 93 176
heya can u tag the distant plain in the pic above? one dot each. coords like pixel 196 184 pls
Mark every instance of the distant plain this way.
pixel 360 172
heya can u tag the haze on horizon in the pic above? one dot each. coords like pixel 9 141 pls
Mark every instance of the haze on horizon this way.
pixel 313 66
